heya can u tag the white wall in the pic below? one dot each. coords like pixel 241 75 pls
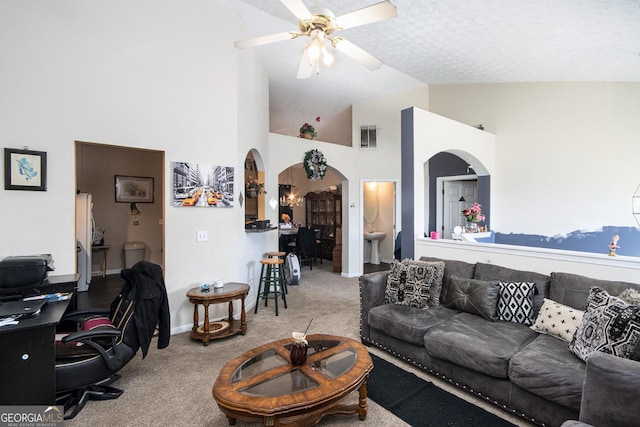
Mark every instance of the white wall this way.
pixel 434 134
pixel 158 74
pixel 566 153
pixel 540 260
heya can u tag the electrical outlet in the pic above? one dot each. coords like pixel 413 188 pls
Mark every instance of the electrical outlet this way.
pixel 202 236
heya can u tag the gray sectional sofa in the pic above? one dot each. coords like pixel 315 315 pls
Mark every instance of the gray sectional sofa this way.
pixel 531 374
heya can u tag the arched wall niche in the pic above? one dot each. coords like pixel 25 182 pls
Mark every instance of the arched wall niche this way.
pixel 254 205
pixel 451 164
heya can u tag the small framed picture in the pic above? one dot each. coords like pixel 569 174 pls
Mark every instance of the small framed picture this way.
pixel 134 189
pixel 25 170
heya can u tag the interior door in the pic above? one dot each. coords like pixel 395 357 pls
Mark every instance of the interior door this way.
pixel 458 195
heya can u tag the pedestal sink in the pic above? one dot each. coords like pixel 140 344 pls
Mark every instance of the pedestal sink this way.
pixel 374 237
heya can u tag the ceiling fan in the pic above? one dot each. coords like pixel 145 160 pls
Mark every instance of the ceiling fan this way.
pixel 319 24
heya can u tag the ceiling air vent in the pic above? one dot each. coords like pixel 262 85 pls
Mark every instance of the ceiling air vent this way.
pixel 368 136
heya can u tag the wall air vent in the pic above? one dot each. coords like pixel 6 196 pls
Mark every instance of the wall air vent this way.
pixel 368 136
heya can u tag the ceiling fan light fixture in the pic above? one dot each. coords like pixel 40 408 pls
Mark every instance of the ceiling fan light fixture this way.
pixel 327 58
pixel 313 51
pixel 319 23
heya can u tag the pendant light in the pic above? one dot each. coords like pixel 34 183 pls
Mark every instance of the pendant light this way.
pixel 291 200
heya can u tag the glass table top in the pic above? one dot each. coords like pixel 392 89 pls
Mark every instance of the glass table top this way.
pixel 294 380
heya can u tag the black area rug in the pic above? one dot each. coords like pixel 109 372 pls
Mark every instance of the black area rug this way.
pixel 420 403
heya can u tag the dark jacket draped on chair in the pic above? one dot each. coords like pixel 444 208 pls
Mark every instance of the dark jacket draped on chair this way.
pixel 145 281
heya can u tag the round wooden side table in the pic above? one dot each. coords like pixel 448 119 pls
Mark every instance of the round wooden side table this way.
pixel 214 330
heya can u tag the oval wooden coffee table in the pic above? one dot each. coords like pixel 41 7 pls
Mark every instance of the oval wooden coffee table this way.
pixel 262 385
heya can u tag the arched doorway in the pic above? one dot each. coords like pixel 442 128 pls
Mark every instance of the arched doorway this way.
pixel 316 204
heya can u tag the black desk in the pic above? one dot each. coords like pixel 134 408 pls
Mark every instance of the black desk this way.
pixel 51 285
pixel 28 358
pixel 62 283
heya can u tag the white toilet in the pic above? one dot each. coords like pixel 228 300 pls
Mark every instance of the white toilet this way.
pixel 133 252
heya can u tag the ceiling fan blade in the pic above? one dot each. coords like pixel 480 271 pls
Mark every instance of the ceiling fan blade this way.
pixel 367 15
pixel 262 40
pixel 306 66
pixel 297 8
pixel 357 53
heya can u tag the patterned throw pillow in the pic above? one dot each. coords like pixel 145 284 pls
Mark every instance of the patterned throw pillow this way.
pixel 630 296
pixel 435 288
pixel 515 303
pixel 410 284
pixel 609 325
pixel 558 320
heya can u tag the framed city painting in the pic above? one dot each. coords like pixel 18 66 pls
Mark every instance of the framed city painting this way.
pixel 134 189
pixel 202 185
pixel 25 170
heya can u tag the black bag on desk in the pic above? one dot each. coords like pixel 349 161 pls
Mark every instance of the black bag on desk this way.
pixel 30 270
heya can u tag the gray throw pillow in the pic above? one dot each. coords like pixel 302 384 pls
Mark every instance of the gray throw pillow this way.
pixel 474 296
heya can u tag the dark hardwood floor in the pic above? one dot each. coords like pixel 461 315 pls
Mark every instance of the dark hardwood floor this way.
pixel 370 268
pixel 101 292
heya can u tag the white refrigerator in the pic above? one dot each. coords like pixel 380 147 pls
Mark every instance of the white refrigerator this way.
pixel 85 229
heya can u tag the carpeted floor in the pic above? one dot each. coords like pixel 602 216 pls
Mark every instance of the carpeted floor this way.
pixel 172 387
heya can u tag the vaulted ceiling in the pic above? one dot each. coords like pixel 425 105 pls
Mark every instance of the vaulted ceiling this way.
pixel 451 42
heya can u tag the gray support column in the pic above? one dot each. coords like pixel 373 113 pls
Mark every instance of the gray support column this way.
pixel 406 184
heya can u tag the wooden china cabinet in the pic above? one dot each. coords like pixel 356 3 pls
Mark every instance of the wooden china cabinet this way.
pixel 324 212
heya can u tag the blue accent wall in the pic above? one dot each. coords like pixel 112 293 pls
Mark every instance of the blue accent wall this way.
pixel 596 241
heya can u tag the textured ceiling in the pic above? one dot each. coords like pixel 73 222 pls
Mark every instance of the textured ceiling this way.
pixel 452 42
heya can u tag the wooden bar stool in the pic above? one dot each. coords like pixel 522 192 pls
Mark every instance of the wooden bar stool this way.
pixel 270 284
pixel 281 255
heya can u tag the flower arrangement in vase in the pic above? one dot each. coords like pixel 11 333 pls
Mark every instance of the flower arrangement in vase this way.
pixel 307 131
pixel 254 187
pixel 473 215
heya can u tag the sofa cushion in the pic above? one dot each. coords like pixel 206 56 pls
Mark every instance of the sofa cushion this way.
pixel 609 325
pixel 461 269
pixel 515 302
pixel 406 323
pixel 410 284
pixel 546 368
pixel 477 344
pixel 573 289
pixel 473 296
pixel 558 320
pixel 503 274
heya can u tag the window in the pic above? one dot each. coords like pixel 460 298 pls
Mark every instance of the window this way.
pixel 368 136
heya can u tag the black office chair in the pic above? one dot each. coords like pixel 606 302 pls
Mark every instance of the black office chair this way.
pixel 306 246
pixel 85 372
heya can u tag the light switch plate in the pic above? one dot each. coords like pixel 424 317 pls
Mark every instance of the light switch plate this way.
pixel 202 236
